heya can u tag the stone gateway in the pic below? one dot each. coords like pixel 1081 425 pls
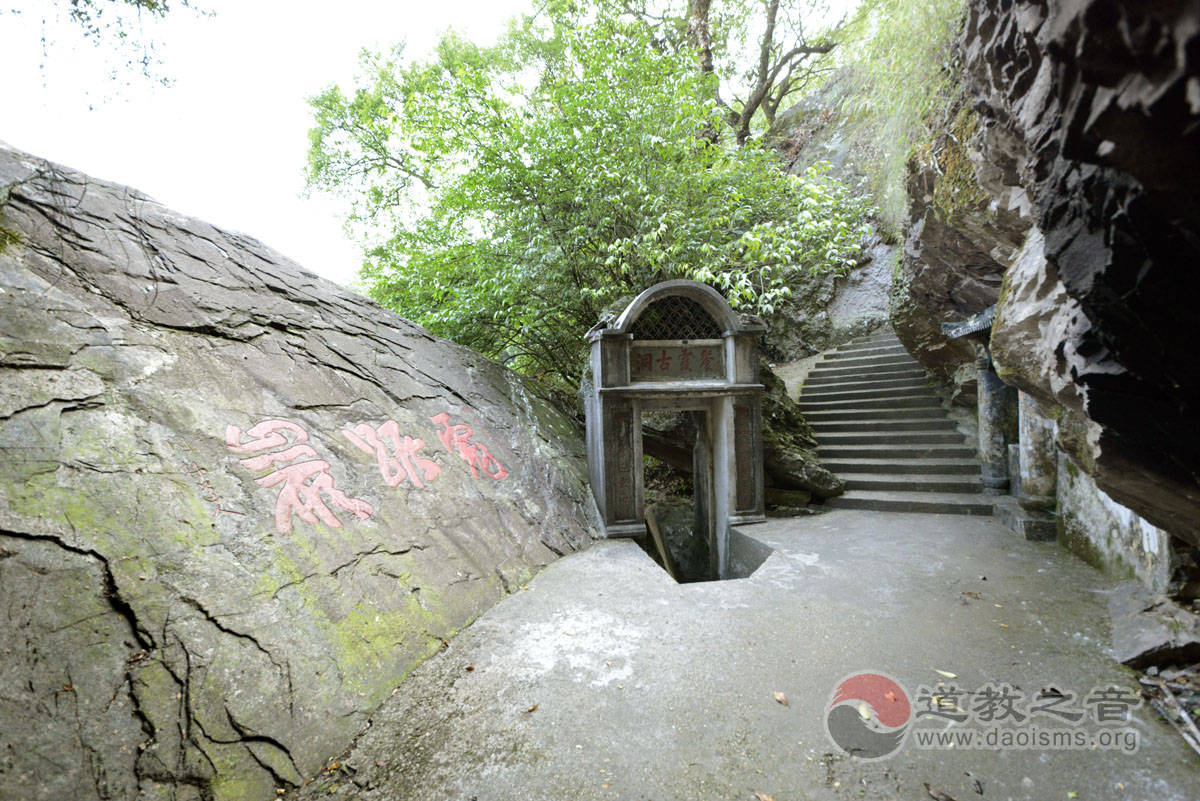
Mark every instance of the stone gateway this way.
pixel 679 347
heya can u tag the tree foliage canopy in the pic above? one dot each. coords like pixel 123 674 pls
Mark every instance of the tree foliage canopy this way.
pixel 506 195
pixel 762 51
pixel 906 86
pixel 115 25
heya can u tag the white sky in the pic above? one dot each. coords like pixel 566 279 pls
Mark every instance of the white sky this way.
pixel 227 141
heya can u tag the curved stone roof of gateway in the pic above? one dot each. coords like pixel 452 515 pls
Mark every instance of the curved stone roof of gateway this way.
pixel 708 298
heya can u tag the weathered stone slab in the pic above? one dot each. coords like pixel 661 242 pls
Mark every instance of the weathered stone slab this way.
pixel 1111 536
pixel 1031 524
pixel 1151 630
pixel 238 503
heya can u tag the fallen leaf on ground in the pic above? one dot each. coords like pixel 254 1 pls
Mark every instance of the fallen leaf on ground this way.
pixel 470 667
pixel 946 673
pixel 978 786
pixel 781 698
pixel 937 795
pixel 533 708
pixel 762 796
pixel 974 595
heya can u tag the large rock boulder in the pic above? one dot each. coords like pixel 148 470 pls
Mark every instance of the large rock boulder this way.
pixel 790 460
pixel 1102 102
pixel 968 220
pixel 238 503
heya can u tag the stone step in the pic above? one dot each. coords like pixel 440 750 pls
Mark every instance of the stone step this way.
pixel 912 482
pixel 819 378
pixel 885 333
pixel 894 402
pixel 904 466
pixel 891 438
pixel 823 427
pixel 928 502
pixel 872 362
pixel 864 383
pixel 901 413
pixel 822 371
pixel 894 451
pixel 881 349
pixel 1030 524
pixel 827 394
pixel 866 344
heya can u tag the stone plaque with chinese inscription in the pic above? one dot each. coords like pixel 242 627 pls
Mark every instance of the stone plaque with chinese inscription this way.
pixel 701 361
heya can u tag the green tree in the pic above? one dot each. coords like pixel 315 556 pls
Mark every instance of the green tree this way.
pixel 506 195
pixel 761 50
pixel 905 87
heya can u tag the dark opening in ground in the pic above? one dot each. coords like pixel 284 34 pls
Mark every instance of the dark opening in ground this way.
pixel 689 553
pixel 679 506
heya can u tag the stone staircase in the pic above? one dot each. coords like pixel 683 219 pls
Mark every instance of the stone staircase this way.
pixel 883 430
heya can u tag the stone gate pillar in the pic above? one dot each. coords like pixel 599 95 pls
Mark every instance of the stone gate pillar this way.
pixel 993 414
pixel 1039 457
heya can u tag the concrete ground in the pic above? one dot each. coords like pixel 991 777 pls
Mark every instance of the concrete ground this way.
pixel 606 680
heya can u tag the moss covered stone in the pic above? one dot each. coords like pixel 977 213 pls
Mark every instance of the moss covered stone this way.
pixel 957 192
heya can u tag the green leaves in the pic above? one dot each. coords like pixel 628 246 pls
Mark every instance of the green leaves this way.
pixel 505 196
pixel 901 85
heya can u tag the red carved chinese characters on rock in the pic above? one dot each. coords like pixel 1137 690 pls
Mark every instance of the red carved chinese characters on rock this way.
pixel 301 483
pixel 458 438
pixel 403 464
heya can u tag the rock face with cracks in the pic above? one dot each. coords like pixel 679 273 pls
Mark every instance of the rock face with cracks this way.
pixel 1100 104
pixel 238 504
pixel 966 225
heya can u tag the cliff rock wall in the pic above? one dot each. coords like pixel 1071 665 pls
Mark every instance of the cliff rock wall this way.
pixel 1084 196
pixel 238 504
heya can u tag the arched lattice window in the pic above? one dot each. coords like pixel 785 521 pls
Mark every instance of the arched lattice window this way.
pixel 675 317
